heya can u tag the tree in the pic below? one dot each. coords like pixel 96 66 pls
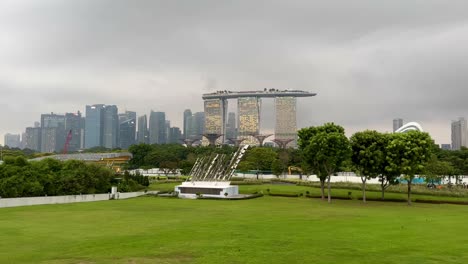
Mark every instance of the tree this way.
pixel 436 170
pixel 259 158
pixel 368 155
pixel 407 153
pixel 277 167
pixel 324 149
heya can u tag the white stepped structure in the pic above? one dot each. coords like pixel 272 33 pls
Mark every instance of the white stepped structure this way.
pixel 210 176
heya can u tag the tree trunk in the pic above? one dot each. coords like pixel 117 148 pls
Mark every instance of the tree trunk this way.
pixel 409 191
pixel 382 185
pixel 329 189
pixel 322 188
pixel 363 179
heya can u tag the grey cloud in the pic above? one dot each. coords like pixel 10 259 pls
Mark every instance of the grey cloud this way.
pixel 370 61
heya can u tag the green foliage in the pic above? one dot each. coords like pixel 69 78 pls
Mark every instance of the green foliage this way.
pixel 368 153
pixel 20 178
pixel 258 158
pixel 408 153
pixel 324 148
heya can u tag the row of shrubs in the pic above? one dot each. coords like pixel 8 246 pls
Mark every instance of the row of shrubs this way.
pixel 370 199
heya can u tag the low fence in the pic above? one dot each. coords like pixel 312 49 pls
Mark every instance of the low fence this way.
pixel 80 198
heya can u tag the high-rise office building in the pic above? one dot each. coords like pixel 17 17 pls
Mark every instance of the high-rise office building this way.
pixel 198 125
pixel 110 129
pixel 32 138
pixel 459 130
pixel 143 134
pixel 187 123
pixel 94 123
pixel 397 123
pixel 127 129
pixel 157 128
pixel 286 126
pixel 174 135
pixel 74 125
pixel 231 126
pixel 52 133
pixel 248 114
pixel 168 130
pixel 12 140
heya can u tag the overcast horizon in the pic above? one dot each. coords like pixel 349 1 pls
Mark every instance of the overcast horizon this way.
pixel 369 61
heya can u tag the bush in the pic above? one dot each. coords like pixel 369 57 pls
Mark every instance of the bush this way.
pixel 284 194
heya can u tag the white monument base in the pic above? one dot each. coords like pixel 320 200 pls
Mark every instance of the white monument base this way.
pixel 192 190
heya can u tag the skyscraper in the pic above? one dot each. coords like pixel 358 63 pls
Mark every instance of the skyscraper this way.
pixel 459 130
pixel 174 135
pixel 397 123
pixel 248 114
pixel 32 139
pixel 73 123
pixel 215 115
pixel 127 129
pixel 198 125
pixel 143 134
pixel 110 129
pixel 285 126
pixel 187 123
pixel 94 123
pixel 157 128
pixel 12 140
pixel 52 132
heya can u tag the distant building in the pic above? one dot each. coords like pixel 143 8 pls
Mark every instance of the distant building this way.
pixel 446 146
pixel 143 134
pixel 12 140
pixel 52 133
pixel 459 130
pixel 157 128
pixel 286 124
pixel 397 123
pixel 32 138
pixel 127 129
pixel 110 129
pixel 198 125
pixel 187 125
pixel 174 135
pixel 248 114
pixel 74 123
pixel 94 122
pixel 215 115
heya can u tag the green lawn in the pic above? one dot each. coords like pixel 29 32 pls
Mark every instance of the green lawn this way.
pixel 262 230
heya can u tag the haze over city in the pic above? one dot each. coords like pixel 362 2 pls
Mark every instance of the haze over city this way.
pixel 369 61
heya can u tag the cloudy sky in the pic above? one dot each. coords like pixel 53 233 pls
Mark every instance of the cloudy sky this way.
pixel 369 61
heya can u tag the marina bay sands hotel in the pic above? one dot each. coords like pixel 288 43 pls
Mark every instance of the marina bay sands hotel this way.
pixel 248 116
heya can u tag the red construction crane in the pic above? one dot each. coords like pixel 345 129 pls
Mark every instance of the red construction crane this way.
pixel 67 142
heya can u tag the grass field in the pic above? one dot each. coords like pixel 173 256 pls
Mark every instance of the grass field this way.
pixel 262 230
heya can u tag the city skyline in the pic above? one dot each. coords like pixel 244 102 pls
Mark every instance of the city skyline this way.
pixel 368 62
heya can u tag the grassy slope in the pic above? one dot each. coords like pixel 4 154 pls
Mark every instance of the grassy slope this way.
pixel 263 230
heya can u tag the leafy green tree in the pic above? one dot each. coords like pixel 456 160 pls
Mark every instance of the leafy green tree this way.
pixel 368 155
pixel 259 158
pixel 407 153
pixel 436 170
pixel 139 153
pixel 325 148
pixel 277 167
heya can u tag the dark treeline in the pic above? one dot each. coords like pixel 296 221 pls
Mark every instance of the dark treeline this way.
pixel 175 156
pixel 21 178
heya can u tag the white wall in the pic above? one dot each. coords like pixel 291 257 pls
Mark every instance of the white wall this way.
pixel 25 201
